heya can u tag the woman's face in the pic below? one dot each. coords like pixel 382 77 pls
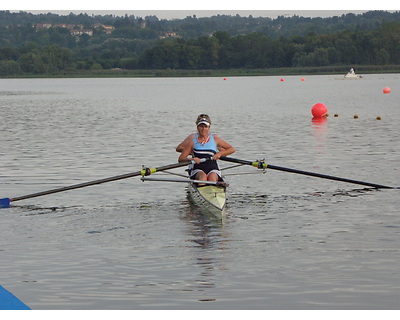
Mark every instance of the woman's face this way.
pixel 203 129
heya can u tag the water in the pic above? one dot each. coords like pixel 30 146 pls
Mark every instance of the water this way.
pixel 289 242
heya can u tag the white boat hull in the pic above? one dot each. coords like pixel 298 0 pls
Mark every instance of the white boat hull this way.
pixel 209 198
pixel 350 76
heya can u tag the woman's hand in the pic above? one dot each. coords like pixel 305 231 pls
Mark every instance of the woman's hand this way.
pixel 217 156
pixel 196 160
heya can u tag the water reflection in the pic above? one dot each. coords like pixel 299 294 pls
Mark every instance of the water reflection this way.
pixel 320 128
pixel 319 121
pixel 209 239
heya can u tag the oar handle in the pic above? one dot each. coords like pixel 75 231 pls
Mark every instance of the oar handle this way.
pixel 201 160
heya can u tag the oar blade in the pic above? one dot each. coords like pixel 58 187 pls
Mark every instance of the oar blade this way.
pixel 5 203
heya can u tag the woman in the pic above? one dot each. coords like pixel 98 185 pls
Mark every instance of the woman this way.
pixel 204 144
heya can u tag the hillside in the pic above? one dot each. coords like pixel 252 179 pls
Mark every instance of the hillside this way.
pixel 51 43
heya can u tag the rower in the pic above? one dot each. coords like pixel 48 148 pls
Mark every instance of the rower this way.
pixel 204 144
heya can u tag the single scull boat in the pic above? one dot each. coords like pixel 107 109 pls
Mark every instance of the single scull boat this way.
pixel 209 195
pixel 210 198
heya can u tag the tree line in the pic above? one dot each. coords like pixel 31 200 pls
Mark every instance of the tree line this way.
pixel 222 51
pixel 24 50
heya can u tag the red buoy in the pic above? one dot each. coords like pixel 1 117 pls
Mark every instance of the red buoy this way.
pixel 319 110
pixel 386 90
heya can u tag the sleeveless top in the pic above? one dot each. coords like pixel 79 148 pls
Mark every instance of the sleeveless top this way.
pixel 204 150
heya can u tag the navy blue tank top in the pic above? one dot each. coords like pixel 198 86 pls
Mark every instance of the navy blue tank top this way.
pixel 205 150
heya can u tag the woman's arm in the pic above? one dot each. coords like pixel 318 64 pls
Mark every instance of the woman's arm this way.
pixel 184 156
pixel 224 148
pixel 184 143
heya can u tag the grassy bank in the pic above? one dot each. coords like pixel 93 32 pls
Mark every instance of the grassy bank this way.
pixel 111 73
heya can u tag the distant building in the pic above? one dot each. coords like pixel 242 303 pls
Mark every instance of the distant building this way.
pixel 143 24
pixel 79 32
pixel 169 34
pixel 40 26
pixel 75 29
pixel 107 29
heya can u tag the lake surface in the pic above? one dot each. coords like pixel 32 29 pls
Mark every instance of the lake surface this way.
pixel 289 241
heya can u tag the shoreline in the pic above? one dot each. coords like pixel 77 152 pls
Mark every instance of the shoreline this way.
pixel 297 71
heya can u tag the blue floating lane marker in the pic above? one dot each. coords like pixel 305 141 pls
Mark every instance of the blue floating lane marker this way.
pixel 10 302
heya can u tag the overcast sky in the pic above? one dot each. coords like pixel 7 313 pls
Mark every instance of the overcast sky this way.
pixel 169 9
pixel 180 14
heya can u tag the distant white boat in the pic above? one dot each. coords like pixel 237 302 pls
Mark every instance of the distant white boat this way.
pixel 351 75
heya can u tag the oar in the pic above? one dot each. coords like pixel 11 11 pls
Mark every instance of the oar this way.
pixel 262 165
pixel 5 203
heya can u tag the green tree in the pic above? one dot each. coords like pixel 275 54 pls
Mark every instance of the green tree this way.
pixel 382 56
pixel 9 68
pixel 32 63
pixel 56 58
pixel 8 53
pixel 129 63
pixel 346 49
pixel 388 37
